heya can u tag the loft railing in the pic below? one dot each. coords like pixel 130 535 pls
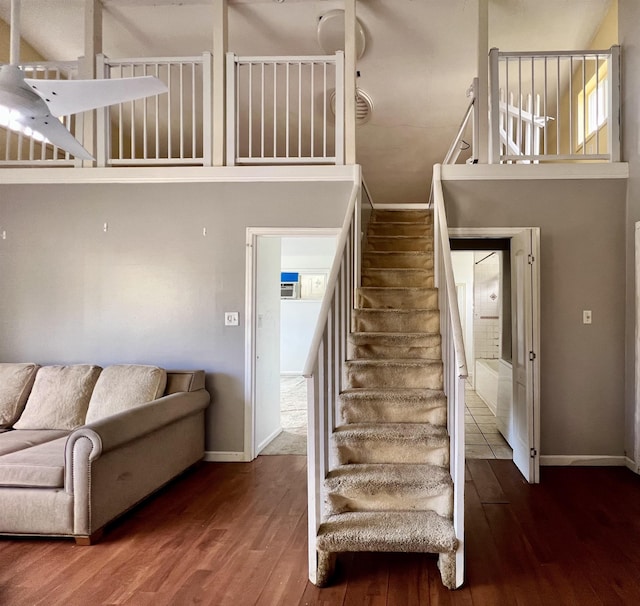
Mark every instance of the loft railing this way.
pixel 555 106
pixel 285 110
pixel 17 149
pixel 173 128
pixel 324 366
pixel 454 362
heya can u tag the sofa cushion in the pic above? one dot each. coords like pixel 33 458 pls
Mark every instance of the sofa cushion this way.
pixel 16 381
pixel 40 466
pixel 124 386
pixel 59 397
pixel 19 439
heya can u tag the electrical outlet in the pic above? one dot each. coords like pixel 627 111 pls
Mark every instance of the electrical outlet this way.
pixel 231 318
pixel 586 316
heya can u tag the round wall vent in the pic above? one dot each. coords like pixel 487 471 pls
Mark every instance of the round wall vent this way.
pixel 364 106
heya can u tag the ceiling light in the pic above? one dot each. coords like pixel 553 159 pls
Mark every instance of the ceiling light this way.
pixel 331 33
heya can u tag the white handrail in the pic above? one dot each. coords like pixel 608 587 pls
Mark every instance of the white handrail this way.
pixel 331 284
pixel 438 198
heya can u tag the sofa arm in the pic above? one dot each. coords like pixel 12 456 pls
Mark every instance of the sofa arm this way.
pixel 88 442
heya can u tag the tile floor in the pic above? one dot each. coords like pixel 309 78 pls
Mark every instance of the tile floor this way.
pixel 483 440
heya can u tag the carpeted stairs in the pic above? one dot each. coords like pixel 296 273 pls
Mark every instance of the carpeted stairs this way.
pixel 390 488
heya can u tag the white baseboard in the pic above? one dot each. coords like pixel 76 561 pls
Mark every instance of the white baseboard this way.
pixel 417 206
pixel 268 440
pixel 583 460
pixel 217 456
pixel 632 465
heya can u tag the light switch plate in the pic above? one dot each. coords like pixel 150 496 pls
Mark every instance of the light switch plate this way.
pixel 586 316
pixel 231 318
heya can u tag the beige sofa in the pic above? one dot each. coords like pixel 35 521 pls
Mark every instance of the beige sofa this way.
pixel 80 445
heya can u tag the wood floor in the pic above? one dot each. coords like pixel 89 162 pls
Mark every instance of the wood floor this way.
pixel 235 534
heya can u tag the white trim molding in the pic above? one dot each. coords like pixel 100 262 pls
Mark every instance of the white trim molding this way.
pixel 416 206
pixel 218 456
pixel 179 174
pixel 583 461
pixel 632 465
pixel 533 172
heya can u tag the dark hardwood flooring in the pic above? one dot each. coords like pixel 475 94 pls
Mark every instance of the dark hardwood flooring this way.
pixel 235 534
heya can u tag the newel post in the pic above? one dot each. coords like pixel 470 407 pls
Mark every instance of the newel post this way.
pixel 220 45
pixel 87 69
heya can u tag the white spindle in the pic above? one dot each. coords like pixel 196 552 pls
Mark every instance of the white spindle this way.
pixel 313 95
pixel 288 68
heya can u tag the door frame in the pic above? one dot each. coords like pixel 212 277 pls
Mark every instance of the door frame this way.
pixel 252 234
pixel 509 232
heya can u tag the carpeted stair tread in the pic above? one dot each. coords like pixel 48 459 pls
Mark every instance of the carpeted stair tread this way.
pixel 389 477
pixel 414 432
pixel 396 320
pixel 388 487
pixel 404 228
pixel 390 373
pixel 397 297
pixel 414 216
pixel 393 406
pixel 387 531
pixel 397 277
pixel 416 339
pixel 389 259
pixel 399 243
pixel 372 345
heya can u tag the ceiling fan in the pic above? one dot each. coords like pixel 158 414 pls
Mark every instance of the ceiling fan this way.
pixel 33 106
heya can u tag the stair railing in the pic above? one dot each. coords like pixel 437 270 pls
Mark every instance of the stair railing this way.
pixel 459 144
pixel 454 361
pixel 324 367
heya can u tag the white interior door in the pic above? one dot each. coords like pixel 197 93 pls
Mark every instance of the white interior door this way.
pixel 525 353
pixel 267 351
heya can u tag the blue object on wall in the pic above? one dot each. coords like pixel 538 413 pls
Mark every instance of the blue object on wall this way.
pixel 289 276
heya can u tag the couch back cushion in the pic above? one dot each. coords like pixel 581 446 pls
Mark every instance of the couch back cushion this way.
pixel 16 381
pixel 124 386
pixel 59 397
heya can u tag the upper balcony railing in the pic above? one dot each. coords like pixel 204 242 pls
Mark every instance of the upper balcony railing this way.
pixel 555 106
pixel 543 107
pixel 285 110
pixel 280 110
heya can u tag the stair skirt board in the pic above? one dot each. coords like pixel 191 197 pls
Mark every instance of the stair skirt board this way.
pixel 389 488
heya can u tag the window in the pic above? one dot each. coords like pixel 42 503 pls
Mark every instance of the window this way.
pixel 594 100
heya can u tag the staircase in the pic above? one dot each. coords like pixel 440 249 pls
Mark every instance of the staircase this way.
pixel 389 488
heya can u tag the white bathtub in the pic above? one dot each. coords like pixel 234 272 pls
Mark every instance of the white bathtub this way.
pixel 486 380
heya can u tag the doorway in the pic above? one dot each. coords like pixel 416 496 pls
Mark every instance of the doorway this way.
pixel 497 277
pixel 286 274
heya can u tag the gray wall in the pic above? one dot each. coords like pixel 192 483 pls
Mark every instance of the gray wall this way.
pixel 152 289
pixel 629 34
pixel 582 267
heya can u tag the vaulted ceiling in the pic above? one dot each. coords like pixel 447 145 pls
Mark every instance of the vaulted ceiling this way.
pixel 419 60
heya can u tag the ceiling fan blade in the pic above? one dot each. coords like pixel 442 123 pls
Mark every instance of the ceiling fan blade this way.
pixel 65 97
pixel 56 133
